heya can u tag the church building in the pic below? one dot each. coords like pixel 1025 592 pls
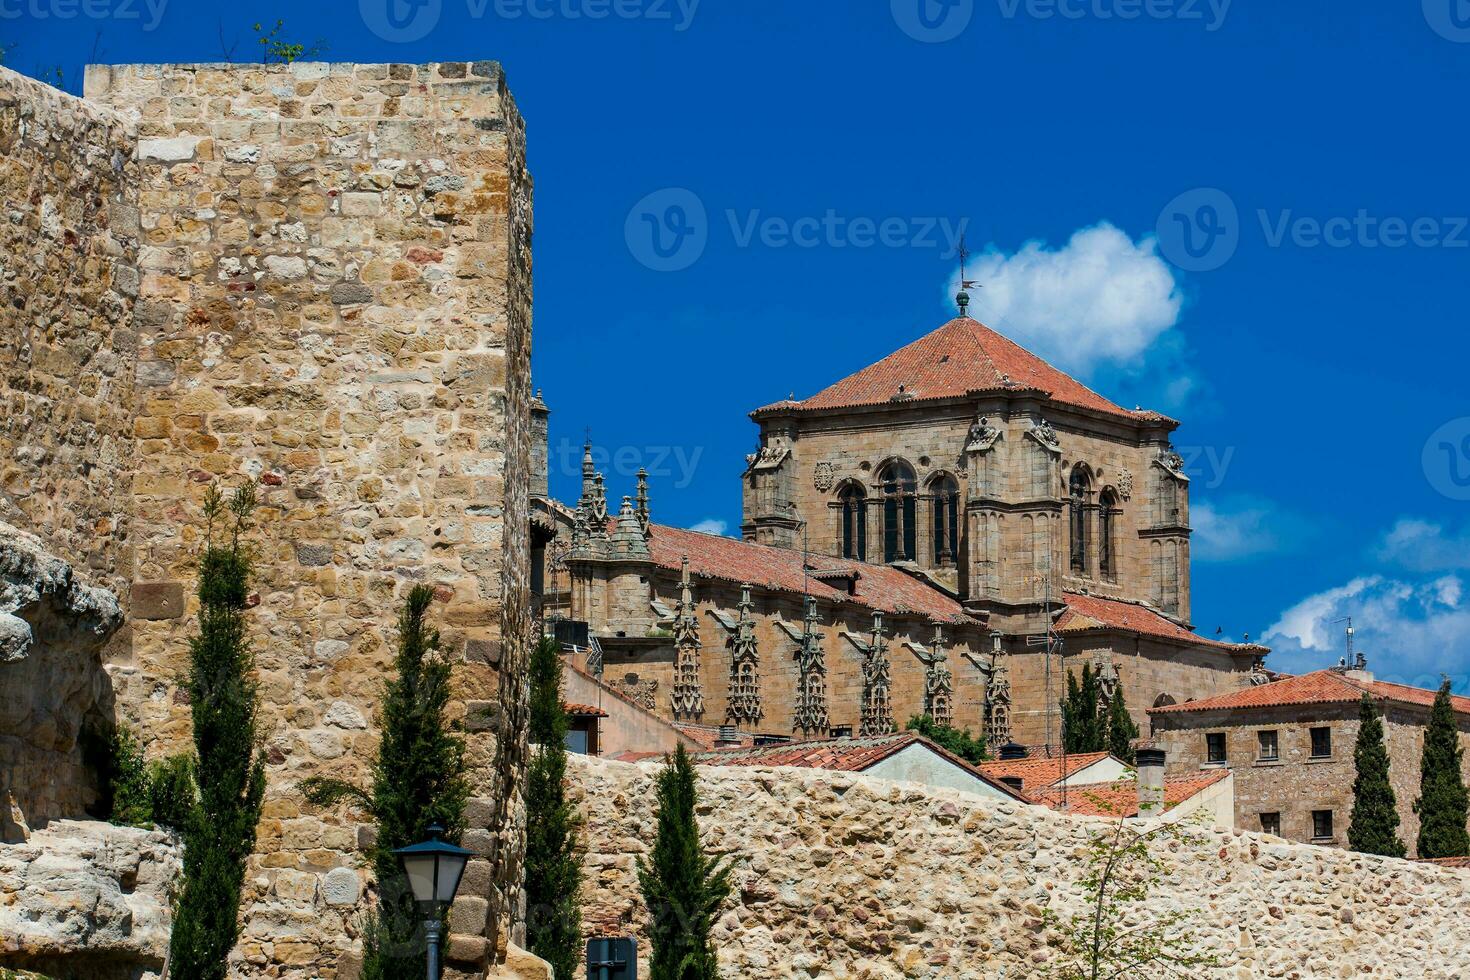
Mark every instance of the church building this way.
pixel 947 531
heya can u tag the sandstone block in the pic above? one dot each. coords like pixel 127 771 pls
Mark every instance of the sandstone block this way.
pixel 341 887
pixel 157 600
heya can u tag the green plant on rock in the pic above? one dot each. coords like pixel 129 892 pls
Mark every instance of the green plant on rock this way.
pixel 418 780
pixel 683 887
pixel 132 804
pixel 1119 934
pixel 553 853
pixel 230 770
pixel 958 741
pixel 173 794
pixel 276 49
pixel 1375 819
pixel 1442 802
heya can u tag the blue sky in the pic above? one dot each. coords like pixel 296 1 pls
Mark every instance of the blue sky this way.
pixel 1250 215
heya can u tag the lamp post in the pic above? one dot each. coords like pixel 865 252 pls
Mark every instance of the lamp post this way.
pixel 434 868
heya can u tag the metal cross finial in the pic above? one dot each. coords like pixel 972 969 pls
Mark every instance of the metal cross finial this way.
pixel 963 297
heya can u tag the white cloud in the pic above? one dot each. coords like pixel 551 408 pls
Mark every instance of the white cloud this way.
pixel 1423 546
pixel 1100 299
pixel 711 525
pixel 1222 534
pixel 1411 631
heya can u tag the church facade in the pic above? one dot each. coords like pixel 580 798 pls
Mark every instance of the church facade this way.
pixel 957 525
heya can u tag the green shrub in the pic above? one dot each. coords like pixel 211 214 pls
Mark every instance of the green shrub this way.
pixel 131 802
pixel 958 741
pixel 172 792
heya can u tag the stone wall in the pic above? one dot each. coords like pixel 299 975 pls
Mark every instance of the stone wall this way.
pixel 844 876
pixel 335 301
pixel 68 280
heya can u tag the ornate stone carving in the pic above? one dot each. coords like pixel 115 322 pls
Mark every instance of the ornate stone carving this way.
pixel 824 477
pixel 745 694
pixel 982 436
pixel 1171 461
pixel 811 683
pixel 1043 433
pixel 1125 484
pixel 877 717
pixel 1107 679
pixel 769 456
pixel 938 682
pixel 688 700
pixel 998 704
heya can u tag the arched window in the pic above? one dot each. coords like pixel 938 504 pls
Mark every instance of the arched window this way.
pixel 854 522
pixel 1106 546
pixel 945 495
pixel 1164 700
pixel 900 490
pixel 1080 488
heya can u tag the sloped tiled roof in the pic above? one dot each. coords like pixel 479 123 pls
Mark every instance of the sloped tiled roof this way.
pixel 583 710
pixel 839 754
pixel 1086 612
pixel 880 587
pixel 963 356
pixel 708 735
pixel 1041 772
pixel 1120 799
pixel 1318 687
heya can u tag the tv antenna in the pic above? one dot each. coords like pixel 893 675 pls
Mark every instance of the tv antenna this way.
pixel 963 297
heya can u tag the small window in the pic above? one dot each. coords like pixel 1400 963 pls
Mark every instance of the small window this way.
pixel 1215 747
pixel 1321 824
pixel 577 741
pixel 1321 743
pixel 841 731
pixel 1271 823
pixel 1266 741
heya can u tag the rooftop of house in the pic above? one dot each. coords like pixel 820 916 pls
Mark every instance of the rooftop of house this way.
pixel 840 754
pixel 1089 612
pixel 1120 798
pixel 1318 687
pixel 1040 772
pixel 879 587
pixel 583 710
pixel 962 357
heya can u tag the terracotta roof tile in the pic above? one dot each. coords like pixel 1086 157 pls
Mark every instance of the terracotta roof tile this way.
pixel 878 586
pixel 1086 612
pixel 583 710
pixel 1040 772
pixel 961 357
pixel 1318 687
pixel 708 735
pixel 1120 799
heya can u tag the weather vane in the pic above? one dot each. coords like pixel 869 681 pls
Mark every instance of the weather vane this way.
pixel 963 298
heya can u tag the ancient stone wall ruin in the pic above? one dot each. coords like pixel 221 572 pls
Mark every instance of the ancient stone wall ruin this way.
pixel 317 276
pixel 841 875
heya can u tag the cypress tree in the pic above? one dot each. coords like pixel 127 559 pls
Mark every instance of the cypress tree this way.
pixel 230 770
pixel 1442 802
pixel 1084 726
pixel 553 855
pixel 418 781
pixel 1375 820
pixel 1121 729
pixel 682 886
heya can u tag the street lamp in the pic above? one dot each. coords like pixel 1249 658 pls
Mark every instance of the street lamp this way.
pixel 434 868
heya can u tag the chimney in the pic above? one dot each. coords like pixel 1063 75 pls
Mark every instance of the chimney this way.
pixel 1150 782
pixel 1014 782
pixel 728 735
pixel 1011 751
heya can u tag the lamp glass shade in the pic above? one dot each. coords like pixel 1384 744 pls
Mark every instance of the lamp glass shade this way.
pixel 420 869
pixel 446 883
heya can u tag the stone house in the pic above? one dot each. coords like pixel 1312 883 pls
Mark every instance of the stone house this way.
pixel 1290 745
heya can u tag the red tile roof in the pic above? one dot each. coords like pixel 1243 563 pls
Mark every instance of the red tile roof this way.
pixel 1462 862
pixel 962 357
pixel 840 754
pixel 1040 772
pixel 1088 612
pixel 583 710
pixel 708 735
pixel 880 587
pixel 1318 687
pixel 1120 799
